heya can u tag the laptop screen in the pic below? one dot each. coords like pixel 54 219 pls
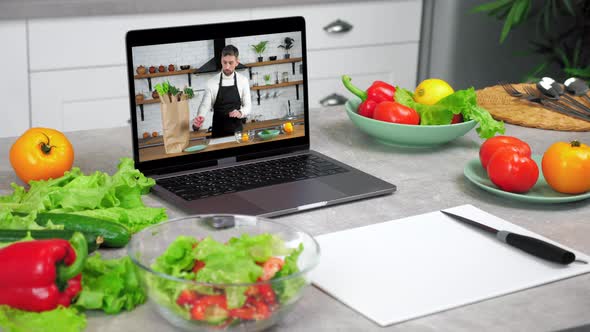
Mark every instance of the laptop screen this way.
pixel 214 91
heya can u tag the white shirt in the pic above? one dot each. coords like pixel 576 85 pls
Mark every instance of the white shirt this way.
pixel 213 88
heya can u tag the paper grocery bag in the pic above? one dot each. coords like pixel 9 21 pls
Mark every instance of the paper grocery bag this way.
pixel 175 122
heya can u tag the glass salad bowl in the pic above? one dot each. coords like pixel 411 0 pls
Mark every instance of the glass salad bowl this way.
pixel 223 272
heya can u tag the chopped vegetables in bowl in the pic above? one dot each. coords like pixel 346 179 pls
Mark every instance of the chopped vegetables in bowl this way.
pixel 412 136
pixel 232 272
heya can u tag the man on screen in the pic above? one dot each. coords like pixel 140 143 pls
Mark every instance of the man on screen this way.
pixel 227 95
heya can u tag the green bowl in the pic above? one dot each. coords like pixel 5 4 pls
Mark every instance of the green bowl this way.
pixel 268 134
pixel 541 192
pixel 406 135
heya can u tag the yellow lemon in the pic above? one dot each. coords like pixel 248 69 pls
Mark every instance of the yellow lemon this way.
pixel 245 137
pixel 288 127
pixel 431 90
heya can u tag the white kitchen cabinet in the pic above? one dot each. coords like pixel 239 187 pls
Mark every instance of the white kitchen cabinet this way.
pixel 77 66
pixel 382 42
pixel 373 23
pixel 100 41
pixel 14 86
pixel 400 61
pixel 79 99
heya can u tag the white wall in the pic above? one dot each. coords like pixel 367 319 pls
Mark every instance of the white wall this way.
pixel 14 85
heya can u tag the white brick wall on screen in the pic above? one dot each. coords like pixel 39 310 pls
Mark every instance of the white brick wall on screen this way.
pixel 273 102
pixel 247 54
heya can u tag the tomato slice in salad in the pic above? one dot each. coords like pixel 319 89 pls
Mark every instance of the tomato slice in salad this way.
pixel 267 294
pixel 186 297
pixel 271 267
pixel 262 310
pixel 208 306
pixel 245 312
pixel 198 266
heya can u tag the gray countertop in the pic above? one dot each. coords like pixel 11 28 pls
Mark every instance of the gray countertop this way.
pixel 25 9
pixel 427 180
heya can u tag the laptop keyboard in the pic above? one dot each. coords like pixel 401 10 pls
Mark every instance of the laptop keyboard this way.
pixel 250 176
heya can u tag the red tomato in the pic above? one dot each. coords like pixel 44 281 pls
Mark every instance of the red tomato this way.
pixel 201 305
pixel 511 171
pixel 457 118
pixel 252 291
pixel 267 294
pixel 367 108
pixel 271 267
pixel 198 266
pixel 390 111
pixel 245 312
pixel 262 310
pixel 491 145
pixel 186 297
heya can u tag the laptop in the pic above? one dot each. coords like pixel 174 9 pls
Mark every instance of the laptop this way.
pixel 258 163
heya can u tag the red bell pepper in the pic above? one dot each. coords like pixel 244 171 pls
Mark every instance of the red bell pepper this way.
pixel 39 275
pixel 378 92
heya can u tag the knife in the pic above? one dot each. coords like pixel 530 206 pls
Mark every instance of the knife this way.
pixel 525 243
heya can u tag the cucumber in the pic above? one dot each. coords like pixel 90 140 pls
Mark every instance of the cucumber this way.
pixel 12 235
pixel 115 235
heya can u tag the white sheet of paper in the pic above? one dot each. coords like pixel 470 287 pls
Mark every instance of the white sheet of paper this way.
pixel 406 268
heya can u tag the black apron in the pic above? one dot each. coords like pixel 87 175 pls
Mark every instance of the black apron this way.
pixel 228 99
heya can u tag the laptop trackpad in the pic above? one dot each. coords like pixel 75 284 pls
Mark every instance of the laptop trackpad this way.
pixel 291 195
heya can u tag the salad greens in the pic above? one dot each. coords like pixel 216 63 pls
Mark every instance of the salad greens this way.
pixel 9 220
pixel 288 289
pixel 460 102
pixel 116 198
pixel 135 219
pixel 110 285
pixel 240 261
pixel 61 319
pixel 167 89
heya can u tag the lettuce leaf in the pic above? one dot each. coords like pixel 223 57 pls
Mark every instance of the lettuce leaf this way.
pixel 116 197
pixel 61 319
pixel 260 247
pixel 178 259
pixel 76 192
pixel 288 288
pixel 135 219
pixel 429 114
pixel 110 285
pixel 11 221
pixel 461 102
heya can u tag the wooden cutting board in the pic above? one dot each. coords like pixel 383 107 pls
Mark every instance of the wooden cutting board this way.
pixel 523 113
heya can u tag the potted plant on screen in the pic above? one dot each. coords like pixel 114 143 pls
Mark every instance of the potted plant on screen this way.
pixel 259 49
pixel 287 45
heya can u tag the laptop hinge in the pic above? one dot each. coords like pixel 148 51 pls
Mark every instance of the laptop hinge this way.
pixel 226 161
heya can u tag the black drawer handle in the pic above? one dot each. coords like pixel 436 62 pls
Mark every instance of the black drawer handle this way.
pixel 333 100
pixel 338 26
